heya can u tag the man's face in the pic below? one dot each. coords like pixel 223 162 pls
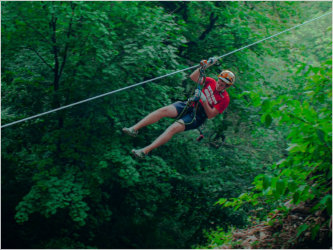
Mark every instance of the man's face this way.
pixel 221 85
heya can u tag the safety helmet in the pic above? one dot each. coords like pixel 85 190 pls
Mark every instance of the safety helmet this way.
pixel 227 76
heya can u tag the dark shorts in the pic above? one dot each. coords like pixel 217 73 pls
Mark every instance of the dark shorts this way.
pixel 187 116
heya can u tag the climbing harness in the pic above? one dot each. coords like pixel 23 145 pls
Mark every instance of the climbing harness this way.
pixel 201 136
pixel 201 82
pixel 194 101
pixel 156 78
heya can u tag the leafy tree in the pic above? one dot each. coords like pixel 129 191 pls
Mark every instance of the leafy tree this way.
pixel 68 180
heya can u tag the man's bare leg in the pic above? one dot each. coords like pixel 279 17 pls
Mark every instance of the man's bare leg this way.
pixel 168 111
pixel 166 136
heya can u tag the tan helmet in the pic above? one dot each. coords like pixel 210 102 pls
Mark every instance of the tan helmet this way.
pixel 227 76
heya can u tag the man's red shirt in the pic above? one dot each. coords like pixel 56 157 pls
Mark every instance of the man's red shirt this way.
pixel 216 99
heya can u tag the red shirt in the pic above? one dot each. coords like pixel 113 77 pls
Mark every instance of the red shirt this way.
pixel 216 99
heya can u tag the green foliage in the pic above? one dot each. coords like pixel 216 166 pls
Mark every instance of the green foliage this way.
pixel 305 174
pixel 68 180
pixel 48 195
pixel 218 237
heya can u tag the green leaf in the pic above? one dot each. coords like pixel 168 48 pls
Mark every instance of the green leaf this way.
pixel 314 231
pixel 243 196
pixel 103 164
pixel 296 197
pixel 266 182
pixel 221 201
pixel 266 106
pixel 280 162
pixel 291 147
pixel 244 93
pixel 280 187
pixel 321 135
pixel 268 120
pixel 325 202
pixel 255 99
pixel 329 205
pixel 292 185
pixel 276 194
pixel 301 229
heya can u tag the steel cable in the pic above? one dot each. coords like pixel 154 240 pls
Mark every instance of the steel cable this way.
pixel 156 78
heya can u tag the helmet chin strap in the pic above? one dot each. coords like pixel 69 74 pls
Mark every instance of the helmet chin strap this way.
pixel 224 88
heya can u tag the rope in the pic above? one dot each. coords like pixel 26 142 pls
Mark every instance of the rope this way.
pixel 202 78
pixel 156 78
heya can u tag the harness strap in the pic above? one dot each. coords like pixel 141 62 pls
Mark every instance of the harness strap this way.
pixel 202 78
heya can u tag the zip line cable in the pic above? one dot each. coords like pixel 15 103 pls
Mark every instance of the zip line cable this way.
pixel 298 25
pixel 156 78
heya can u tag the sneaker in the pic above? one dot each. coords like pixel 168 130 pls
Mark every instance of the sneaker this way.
pixel 130 131
pixel 138 153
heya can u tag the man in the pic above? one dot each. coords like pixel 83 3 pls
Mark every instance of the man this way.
pixel 213 100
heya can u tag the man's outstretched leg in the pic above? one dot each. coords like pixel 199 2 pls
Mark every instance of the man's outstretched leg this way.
pixel 162 139
pixel 168 111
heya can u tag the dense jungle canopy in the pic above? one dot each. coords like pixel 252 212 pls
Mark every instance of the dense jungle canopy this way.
pixel 68 179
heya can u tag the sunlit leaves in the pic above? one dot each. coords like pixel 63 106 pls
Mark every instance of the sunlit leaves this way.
pixel 309 151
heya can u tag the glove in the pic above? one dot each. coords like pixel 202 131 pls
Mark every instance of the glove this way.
pixel 212 61
pixel 199 95
pixel 207 63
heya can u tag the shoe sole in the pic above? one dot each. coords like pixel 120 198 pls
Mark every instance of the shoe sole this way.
pixel 129 133
pixel 137 156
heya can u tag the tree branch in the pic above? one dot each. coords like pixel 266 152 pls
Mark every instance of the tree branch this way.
pixel 34 29
pixel 25 19
pixel 209 28
pixel 44 61
pixel 213 20
pixel 67 42
pixel 55 52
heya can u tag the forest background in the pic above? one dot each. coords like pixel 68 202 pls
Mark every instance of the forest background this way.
pixel 68 179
